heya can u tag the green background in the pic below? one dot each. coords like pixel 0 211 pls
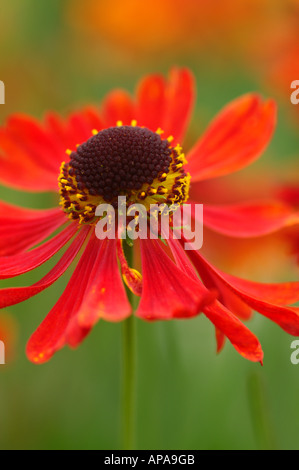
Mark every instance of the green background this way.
pixel 187 396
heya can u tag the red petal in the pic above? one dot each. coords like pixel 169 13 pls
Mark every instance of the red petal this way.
pixel 225 322
pixel 249 219
pixel 265 298
pixel 167 291
pixel 227 298
pixel 236 138
pixel 11 211
pixel 21 263
pixel 31 153
pixel 180 97
pixel 51 334
pixel 80 128
pixel 167 104
pixel 23 232
pixel 220 340
pixel 241 337
pixel 151 101
pixel 105 296
pixel 234 303
pixel 75 129
pixel 15 295
pixel 181 258
pixel 283 294
pixel 28 155
pixel 118 106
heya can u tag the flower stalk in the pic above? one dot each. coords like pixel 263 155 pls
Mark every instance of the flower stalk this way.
pixel 129 370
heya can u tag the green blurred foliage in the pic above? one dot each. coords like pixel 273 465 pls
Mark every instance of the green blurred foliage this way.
pixel 187 396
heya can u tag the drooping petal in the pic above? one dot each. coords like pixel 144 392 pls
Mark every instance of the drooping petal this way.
pixel 233 303
pixel 23 232
pixel 220 340
pixel 14 295
pixel 21 263
pixel 180 256
pixel 94 291
pixel 105 296
pixel 225 295
pixel 237 137
pixel 167 291
pixel 249 219
pixel 166 104
pixel 239 335
pixel 284 293
pixel 225 321
pixel 267 299
pixel 50 336
pixel 10 211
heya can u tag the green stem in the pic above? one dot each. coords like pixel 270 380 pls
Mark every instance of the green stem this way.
pixel 260 415
pixel 129 371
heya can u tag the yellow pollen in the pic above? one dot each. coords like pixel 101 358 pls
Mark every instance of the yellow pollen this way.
pixel 152 191
pixel 94 132
pixel 178 148
pixel 179 166
pixel 119 123
pixel 68 152
pixel 134 123
pixel 162 190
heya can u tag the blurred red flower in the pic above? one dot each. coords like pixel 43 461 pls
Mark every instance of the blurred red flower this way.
pixel 160 26
pixel 274 49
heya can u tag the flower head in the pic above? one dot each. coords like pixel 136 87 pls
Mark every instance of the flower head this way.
pixel 132 147
pixel 129 161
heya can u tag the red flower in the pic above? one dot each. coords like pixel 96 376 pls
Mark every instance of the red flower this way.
pixel 31 155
